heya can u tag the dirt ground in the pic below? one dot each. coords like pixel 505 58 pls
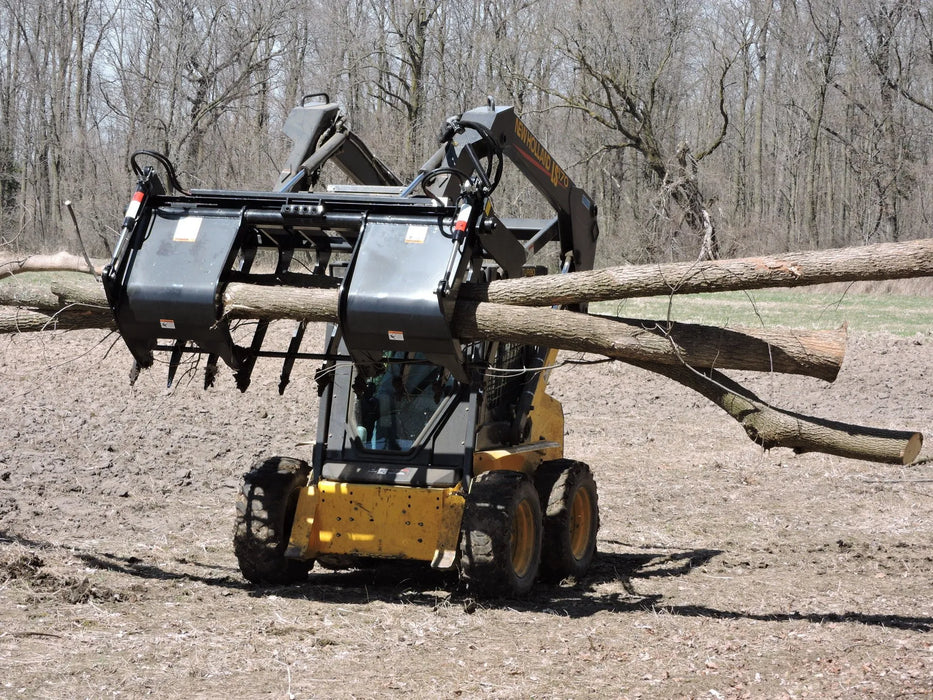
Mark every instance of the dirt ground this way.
pixel 723 571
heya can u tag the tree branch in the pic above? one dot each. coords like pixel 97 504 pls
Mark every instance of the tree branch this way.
pixel 773 427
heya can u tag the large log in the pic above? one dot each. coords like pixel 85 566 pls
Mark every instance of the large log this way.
pixel 35 307
pixel 865 263
pixel 57 262
pixel 812 353
pixel 14 320
pixel 874 262
pixel 767 426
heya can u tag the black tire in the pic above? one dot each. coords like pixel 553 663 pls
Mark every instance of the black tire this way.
pixel 571 518
pixel 265 509
pixel 500 543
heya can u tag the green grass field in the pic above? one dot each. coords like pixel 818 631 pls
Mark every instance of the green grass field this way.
pixel 894 313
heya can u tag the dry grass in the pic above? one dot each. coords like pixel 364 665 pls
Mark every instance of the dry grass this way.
pixel 916 287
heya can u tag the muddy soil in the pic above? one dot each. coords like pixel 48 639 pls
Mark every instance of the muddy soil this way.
pixel 723 571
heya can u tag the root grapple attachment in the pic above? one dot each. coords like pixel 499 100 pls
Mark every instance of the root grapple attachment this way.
pixel 406 249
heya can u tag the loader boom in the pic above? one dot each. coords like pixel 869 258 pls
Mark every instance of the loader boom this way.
pixel 319 133
pixel 491 129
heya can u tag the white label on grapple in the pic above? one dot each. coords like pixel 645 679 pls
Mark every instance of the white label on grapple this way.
pixel 186 230
pixel 167 323
pixel 416 234
pixel 396 335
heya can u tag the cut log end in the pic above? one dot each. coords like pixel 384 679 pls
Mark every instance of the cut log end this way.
pixel 912 448
pixel 778 428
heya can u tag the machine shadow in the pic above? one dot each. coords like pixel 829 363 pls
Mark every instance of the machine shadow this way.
pixel 410 583
pixel 608 587
pixel 133 566
pixel 414 583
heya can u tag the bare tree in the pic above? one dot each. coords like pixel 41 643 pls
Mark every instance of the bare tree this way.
pixel 630 76
pixel 756 125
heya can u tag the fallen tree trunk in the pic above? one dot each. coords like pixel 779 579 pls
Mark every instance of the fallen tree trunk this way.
pixel 874 262
pixel 767 426
pixel 773 427
pixel 13 320
pixel 812 353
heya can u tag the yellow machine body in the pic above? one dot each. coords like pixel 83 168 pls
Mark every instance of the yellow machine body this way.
pixel 372 520
pixel 403 522
pixel 545 439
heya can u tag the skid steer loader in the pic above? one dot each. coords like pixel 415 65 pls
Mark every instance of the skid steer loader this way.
pixel 428 448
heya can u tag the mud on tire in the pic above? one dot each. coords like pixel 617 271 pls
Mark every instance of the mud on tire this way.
pixel 571 518
pixel 500 544
pixel 265 509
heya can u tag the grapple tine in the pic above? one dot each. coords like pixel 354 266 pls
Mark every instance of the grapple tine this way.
pixel 210 371
pixel 175 360
pixel 290 354
pixel 134 372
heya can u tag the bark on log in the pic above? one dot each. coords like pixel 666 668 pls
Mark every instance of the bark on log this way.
pixel 875 262
pixel 773 427
pixel 812 353
pixel 58 262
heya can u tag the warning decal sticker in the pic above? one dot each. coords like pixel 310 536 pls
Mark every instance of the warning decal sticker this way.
pixel 186 230
pixel 416 234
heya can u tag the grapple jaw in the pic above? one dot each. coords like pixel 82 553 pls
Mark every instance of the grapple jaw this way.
pixel 170 286
pixel 398 283
pixel 400 290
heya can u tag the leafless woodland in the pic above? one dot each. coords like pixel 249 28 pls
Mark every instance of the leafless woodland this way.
pixel 790 125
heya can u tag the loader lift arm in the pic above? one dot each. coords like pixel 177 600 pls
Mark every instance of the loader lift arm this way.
pixel 319 133
pixel 491 130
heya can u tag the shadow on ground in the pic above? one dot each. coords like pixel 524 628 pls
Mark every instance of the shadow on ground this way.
pixel 609 586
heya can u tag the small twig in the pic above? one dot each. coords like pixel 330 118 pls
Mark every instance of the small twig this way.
pixel 87 258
